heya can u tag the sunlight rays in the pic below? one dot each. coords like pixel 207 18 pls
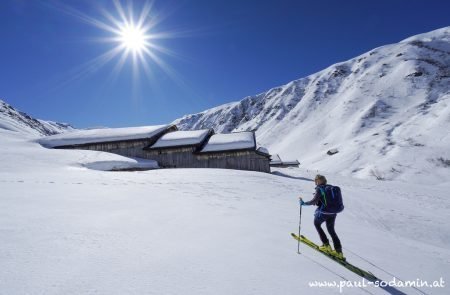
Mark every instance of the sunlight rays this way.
pixel 132 35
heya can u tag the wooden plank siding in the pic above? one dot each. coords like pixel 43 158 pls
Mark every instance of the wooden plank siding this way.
pixel 186 157
pixel 129 148
pixel 241 160
pixel 181 157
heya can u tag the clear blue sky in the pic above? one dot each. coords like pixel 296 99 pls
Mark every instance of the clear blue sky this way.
pixel 225 50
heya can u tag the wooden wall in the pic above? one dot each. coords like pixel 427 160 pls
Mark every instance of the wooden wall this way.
pixel 183 157
pixel 187 158
pixel 130 148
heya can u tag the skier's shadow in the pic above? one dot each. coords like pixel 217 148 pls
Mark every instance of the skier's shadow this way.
pixel 278 173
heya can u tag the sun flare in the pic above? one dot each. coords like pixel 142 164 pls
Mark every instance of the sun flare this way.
pixel 133 38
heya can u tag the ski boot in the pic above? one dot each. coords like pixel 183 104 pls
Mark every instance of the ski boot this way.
pixel 338 255
pixel 325 248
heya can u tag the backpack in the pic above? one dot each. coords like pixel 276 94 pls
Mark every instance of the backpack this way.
pixel 331 199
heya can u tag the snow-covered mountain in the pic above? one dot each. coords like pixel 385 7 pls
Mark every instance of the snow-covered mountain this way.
pixel 386 112
pixel 15 120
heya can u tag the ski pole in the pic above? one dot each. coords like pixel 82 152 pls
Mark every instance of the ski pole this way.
pixel 299 227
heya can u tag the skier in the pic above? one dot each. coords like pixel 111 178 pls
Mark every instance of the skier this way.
pixel 323 215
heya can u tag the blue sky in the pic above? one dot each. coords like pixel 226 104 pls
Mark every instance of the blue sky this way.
pixel 221 51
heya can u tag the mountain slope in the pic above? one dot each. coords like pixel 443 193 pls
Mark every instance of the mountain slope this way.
pixel 386 112
pixel 14 120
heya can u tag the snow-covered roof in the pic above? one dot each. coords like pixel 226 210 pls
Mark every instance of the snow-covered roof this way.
pixel 181 138
pixel 230 141
pixel 101 135
pixel 263 150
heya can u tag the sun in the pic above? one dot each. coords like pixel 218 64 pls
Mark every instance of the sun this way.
pixel 133 38
pixel 133 35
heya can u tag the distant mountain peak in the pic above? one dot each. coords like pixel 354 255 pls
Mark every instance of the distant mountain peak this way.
pixel 14 120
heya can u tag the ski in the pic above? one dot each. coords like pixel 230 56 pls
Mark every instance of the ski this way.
pixel 365 274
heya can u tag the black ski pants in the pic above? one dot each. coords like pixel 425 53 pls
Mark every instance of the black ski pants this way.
pixel 329 219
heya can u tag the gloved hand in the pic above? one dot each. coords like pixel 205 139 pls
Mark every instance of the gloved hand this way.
pixel 301 202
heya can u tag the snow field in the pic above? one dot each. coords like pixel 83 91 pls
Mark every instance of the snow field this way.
pixel 66 229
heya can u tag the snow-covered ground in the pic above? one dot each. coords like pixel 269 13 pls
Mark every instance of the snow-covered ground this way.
pixel 68 229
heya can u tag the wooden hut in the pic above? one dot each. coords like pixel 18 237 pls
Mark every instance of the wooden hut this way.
pixel 177 149
pixel 234 151
pixel 204 149
pixel 169 147
pixel 128 142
